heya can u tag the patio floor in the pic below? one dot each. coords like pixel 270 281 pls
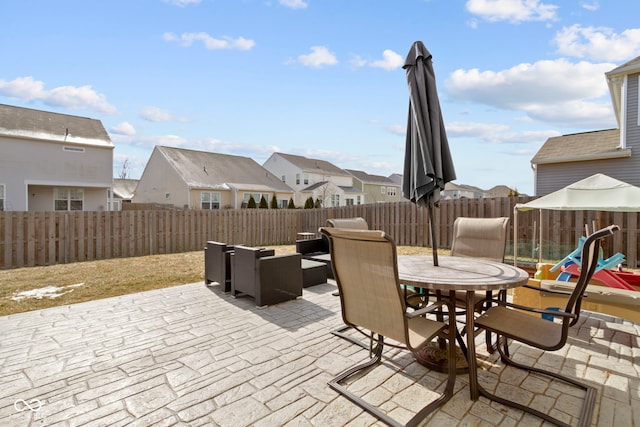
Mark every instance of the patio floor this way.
pixel 191 355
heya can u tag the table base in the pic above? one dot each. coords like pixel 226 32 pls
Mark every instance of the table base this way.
pixel 435 358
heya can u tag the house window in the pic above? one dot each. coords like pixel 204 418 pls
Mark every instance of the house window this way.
pixel 335 200
pixel 1 197
pixel 348 202
pixel 306 179
pixel 391 191
pixel 383 190
pixel 210 200
pixel 68 199
pixel 358 200
pixel 284 178
pixel 297 179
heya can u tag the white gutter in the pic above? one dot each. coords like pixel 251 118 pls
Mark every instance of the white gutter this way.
pixel 623 113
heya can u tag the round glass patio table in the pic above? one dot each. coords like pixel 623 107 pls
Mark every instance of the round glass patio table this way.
pixel 461 274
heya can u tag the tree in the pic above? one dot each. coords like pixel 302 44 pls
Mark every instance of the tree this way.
pixel 318 204
pixel 274 203
pixel 263 203
pixel 291 205
pixel 251 204
pixel 308 204
pixel 125 170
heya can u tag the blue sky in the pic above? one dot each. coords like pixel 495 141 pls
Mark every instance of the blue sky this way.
pixel 321 78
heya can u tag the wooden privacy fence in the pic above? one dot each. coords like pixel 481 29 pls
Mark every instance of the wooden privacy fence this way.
pixel 45 238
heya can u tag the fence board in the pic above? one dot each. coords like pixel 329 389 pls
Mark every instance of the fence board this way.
pixel 44 238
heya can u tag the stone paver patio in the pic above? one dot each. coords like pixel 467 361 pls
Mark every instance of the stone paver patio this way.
pixel 193 356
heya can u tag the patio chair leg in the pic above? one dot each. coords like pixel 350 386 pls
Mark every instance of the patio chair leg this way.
pixel 335 384
pixel 339 332
pixel 417 419
pixel 586 412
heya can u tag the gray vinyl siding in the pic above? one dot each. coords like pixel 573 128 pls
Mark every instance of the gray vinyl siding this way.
pixel 554 176
pixel 631 171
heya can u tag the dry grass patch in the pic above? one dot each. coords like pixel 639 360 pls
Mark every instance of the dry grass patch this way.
pixel 91 280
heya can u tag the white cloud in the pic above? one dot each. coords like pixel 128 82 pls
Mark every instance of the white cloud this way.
pixel 598 43
pixel 155 114
pixel 124 128
pixel 209 42
pixel 319 57
pixel 72 97
pixel 390 61
pixel 464 129
pixel 358 61
pixel 591 6
pixel 182 3
pixel 514 11
pixel 294 4
pixel 552 91
pixel 168 140
pixel 494 133
pixel 259 153
pixel 397 129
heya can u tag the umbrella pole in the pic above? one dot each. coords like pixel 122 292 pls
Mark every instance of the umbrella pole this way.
pixel 434 244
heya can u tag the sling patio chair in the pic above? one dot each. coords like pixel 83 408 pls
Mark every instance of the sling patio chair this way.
pixel 479 238
pixel 511 321
pixel 475 237
pixel 366 272
pixel 355 223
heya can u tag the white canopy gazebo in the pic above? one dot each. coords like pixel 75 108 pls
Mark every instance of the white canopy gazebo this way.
pixel 597 193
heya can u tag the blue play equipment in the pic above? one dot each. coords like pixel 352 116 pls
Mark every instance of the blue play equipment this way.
pixel 574 258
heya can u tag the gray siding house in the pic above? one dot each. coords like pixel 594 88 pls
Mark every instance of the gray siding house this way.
pixel 315 178
pixel 51 161
pixel 565 159
pixel 203 180
pixel 376 188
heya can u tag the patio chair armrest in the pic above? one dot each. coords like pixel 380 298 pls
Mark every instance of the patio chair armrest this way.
pixel 428 309
pixel 529 309
pixel 547 290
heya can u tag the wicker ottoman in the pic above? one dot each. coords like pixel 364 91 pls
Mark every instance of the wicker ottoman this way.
pixel 313 273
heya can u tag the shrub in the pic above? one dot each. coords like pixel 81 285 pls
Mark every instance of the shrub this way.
pixel 308 204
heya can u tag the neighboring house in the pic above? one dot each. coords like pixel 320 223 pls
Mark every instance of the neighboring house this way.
pixel 376 188
pixel 315 178
pixel 51 161
pixel 397 178
pixel 565 159
pixel 204 180
pixel 123 190
pixel 501 191
pixel 459 191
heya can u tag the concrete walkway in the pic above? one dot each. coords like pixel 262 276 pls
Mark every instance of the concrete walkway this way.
pixel 191 355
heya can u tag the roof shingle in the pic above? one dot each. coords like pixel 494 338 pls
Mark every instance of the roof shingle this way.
pixel 44 125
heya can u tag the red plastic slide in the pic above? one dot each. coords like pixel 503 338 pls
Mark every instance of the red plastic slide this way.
pixel 607 277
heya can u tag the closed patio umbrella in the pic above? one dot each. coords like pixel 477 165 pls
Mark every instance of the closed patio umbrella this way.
pixel 427 163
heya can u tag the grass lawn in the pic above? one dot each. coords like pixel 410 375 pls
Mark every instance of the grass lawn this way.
pixel 64 284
